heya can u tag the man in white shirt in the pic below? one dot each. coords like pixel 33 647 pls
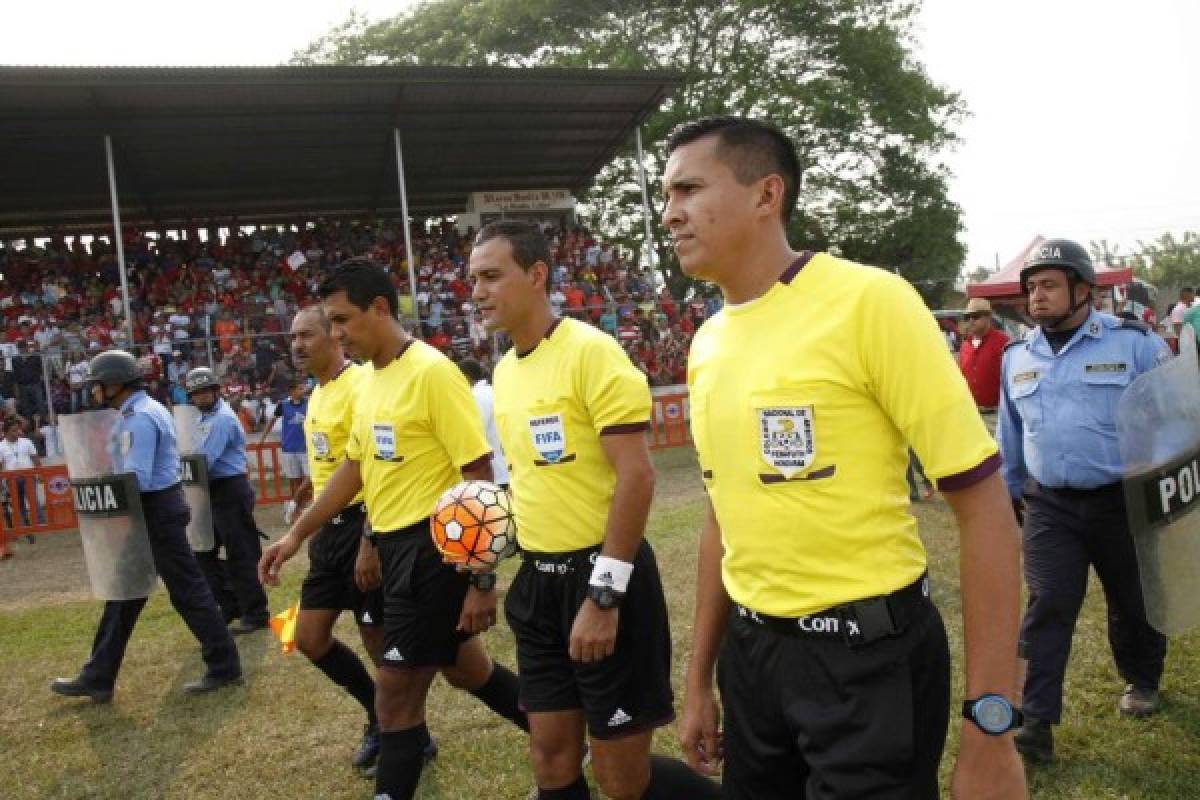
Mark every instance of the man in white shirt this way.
pixel 17 452
pixel 482 390
pixel 1187 298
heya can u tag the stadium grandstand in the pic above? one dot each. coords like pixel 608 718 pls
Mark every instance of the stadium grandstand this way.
pixel 245 186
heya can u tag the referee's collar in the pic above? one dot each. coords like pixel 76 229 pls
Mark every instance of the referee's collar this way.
pixel 545 336
pixel 793 270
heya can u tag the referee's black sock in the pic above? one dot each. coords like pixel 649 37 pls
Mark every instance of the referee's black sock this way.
pixel 499 694
pixel 671 779
pixel 576 791
pixel 401 757
pixel 346 669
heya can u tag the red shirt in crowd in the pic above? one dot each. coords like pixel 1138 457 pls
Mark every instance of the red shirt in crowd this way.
pixel 981 366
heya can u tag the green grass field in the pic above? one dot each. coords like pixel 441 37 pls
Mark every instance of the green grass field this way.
pixel 289 733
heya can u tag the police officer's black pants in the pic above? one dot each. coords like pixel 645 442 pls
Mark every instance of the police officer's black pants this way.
pixel 234 581
pixel 1066 531
pixel 166 523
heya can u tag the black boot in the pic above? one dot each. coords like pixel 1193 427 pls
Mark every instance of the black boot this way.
pixel 1035 741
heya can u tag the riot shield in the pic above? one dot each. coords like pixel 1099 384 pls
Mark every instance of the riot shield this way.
pixel 108 506
pixel 195 479
pixel 1158 425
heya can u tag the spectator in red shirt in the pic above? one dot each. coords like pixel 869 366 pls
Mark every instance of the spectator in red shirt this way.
pixel 981 353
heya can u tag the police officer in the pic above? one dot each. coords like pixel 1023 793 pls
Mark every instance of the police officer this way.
pixel 221 438
pixel 1057 431
pixel 115 380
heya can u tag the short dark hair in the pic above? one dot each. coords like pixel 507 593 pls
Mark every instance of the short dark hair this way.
pixel 472 369
pixel 362 280
pixel 528 243
pixel 752 148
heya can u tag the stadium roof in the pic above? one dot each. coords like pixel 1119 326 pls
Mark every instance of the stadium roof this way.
pixel 262 142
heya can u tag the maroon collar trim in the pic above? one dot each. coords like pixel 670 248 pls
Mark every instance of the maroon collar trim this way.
pixel 792 271
pixel 546 335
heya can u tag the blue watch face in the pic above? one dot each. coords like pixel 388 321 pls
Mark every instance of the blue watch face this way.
pixel 993 714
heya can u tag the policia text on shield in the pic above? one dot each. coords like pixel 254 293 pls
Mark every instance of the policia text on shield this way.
pixel 132 516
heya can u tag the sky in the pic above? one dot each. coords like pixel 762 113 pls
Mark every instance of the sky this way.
pixel 1084 114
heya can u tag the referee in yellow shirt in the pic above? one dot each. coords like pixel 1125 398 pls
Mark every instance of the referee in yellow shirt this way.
pixel 416 433
pixel 587 605
pixel 343 566
pixel 812 598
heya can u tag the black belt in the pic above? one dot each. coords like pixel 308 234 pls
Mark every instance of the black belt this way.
pixel 857 623
pixel 217 483
pixel 350 510
pixel 1066 491
pixel 159 494
pixel 560 563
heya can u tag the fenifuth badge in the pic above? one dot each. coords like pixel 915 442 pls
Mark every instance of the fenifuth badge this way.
pixel 320 445
pixel 786 438
pixel 549 436
pixel 385 441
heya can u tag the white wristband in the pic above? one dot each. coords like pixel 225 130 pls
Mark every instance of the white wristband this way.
pixel 609 573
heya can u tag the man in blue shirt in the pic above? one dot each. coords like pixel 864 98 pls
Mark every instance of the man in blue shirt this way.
pixel 1057 431
pixel 150 453
pixel 221 439
pixel 294 458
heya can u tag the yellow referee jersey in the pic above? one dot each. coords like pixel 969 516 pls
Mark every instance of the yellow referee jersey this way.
pixel 803 403
pixel 415 426
pixel 552 405
pixel 328 421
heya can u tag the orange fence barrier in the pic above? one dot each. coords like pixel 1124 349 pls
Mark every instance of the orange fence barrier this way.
pixel 669 422
pixel 264 467
pixel 34 501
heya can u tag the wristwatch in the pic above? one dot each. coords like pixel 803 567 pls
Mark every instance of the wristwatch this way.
pixel 483 581
pixel 993 714
pixel 605 597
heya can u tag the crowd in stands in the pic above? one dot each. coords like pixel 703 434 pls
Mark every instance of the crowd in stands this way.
pixel 226 301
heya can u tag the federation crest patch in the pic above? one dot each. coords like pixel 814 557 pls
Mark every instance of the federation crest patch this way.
pixel 385 441
pixel 320 445
pixel 549 436
pixel 786 438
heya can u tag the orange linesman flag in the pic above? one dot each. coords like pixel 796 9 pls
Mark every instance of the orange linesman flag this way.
pixel 283 625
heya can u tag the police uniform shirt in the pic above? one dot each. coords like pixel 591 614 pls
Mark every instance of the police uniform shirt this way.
pixel 328 422
pixel 415 427
pixel 223 441
pixel 803 403
pixel 1058 412
pixel 552 406
pixel 146 443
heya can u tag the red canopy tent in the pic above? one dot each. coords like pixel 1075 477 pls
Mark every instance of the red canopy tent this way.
pixel 1004 287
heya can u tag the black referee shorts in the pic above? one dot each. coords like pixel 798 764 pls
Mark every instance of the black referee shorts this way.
pixel 628 692
pixel 330 580
pixel 422 600
pixel 820 714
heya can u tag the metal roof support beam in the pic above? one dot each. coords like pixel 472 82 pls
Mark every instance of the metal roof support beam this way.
pixel 118 238
pixel 651 250
pixel 408 247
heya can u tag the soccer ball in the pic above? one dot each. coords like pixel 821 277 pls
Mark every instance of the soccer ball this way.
pixel 473 525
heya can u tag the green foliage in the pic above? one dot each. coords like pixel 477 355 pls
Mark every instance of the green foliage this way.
pixel 1169 261
pixel 838 75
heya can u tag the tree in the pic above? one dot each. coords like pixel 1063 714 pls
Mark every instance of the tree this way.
pixel 839 76
pixel 1168 262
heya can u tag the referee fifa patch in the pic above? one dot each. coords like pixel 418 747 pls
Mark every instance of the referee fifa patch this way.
pixel 786 438
pixel 549 436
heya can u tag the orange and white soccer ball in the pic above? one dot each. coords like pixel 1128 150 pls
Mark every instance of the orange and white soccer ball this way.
pixel 473 525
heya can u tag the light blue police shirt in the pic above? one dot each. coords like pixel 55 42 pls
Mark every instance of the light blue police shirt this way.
pixel 146 443
pixel 222 440
pixel 1057 421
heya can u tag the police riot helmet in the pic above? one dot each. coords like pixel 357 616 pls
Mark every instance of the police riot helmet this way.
pixel 115 367
pixel 1061 254
pixel 200 378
